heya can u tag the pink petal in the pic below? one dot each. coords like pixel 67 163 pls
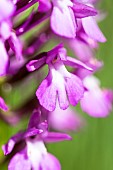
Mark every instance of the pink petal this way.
pixel 76 63
pixel 50 88
pixel 96 104
pixel 92 30
pixel 16 45
pixel 8 147
pixel 79 47
pixel 63 22
pixel 74 88
pixel 9 9
pixel 50 162
pixel 56 137
pixel 82 10
pixel 5 30
pixel 65 120
pixel 19 162
pixel 4 64
pixel 46 94
pixel 62 97
pixel 35 64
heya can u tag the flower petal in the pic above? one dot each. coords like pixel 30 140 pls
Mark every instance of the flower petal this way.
pixel 82 10
pixel 4 64
pixel 76 63
pixel 46 94
pixel 96 104
pixel 36 150
pixel 50 162
pixel 19 161
pixel 65 120
pixel 7 148
pixel 56 137
pixel 74 88
pixel 79 47
pixel 57 51
pixel 92 30
pixel 9 9
pixel 35 64
pixel 100 100
pixel 62 96
pixel 34 119
pixel 5 30
pixel 16 46
pixel 32 132
pixel 63 22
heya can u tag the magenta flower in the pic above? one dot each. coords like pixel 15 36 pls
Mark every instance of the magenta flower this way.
pixel 34 155
pixel 96 102
pixel 64 16
pixel 59 83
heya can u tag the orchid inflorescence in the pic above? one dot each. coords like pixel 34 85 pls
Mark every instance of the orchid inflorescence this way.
pixel 71 24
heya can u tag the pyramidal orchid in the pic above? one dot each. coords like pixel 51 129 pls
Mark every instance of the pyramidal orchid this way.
pixel 59 82
pixel 27 28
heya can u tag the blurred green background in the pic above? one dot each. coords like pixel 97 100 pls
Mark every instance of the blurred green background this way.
pixel 92 147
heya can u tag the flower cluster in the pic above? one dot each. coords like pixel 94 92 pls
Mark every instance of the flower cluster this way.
pixel 69 80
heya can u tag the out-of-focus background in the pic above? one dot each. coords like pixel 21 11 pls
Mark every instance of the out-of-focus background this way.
pixel 92 147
